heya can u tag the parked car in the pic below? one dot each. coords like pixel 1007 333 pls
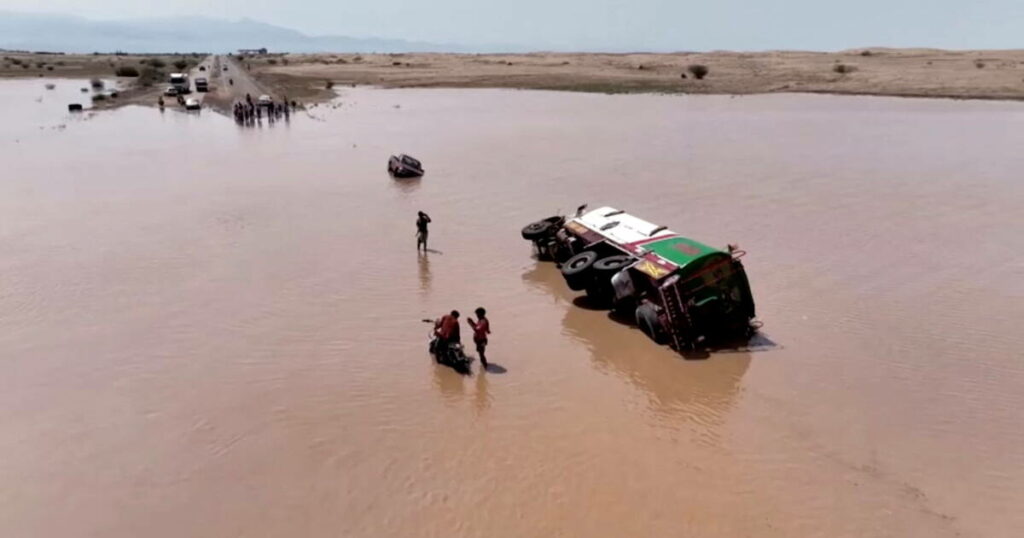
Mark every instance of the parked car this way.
pixel 171 91
pixel 264 100
pixel 404 166
pixel 680 292
pixel 192 104
pixel 202 85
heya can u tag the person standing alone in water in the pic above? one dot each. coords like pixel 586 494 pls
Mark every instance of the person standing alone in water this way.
pixel 481 328
pixel 421 231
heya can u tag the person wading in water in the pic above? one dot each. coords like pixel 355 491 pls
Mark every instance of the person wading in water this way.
pixel 481 328
pixel 421 231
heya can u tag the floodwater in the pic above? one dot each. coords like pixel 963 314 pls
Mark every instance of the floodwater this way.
pixel 209 331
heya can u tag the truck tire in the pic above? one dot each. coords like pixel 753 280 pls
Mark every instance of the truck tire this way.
pixel 613 264
pixel 578 270
pixel 647 320
pixel 537 230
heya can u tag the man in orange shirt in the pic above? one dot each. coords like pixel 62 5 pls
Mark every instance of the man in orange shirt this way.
pixel 481 328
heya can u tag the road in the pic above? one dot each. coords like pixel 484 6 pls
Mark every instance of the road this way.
pixel 229 82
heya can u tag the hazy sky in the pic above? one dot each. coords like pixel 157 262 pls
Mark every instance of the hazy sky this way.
pixel 611 24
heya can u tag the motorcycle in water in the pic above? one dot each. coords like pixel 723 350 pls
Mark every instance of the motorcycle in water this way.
pixel 454 355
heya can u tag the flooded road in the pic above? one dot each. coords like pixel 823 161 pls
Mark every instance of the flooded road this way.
pixel 210 331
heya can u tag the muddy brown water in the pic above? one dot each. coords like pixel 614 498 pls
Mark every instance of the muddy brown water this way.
pixel 210 331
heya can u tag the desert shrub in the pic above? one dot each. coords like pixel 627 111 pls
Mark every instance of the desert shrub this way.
pixel 698 71
pixel 24 66
pixel 16 61
pixel 150 75
pixel 682 75
pixel 96 83
pixel 341 61
pixel 49 68
pixel 357 59
pixel 396 63
pixel 641 67
pixel 866 53
pixel 61 63
pixel 40 65
pixel 328 84
pixel 284 61
pixel 126 71
pixel 180 64
pixel 979 64
pixel 271 61
pixel 842 69
pixel 99 97
pixel 157 63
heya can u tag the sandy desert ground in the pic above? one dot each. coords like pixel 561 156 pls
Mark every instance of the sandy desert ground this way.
pixel 309 77
pixel 904 72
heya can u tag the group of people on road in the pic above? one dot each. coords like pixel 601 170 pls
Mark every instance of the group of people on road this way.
pixel 248 112
pixel 446 329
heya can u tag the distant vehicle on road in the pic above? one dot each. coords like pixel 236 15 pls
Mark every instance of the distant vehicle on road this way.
pixel 265 100
pixel 192 104
pixel 202 85
pixel 404 166
pixel 171 91
pixel 180 81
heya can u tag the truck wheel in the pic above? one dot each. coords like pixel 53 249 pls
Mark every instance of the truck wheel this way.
pixel 613 264
pixel 537 230
pixel 577 270
pixel 647 320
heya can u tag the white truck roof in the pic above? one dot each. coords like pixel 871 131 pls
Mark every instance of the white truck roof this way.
pixel 621 227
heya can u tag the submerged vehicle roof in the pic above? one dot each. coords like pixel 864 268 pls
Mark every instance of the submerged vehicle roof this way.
pixel 639 236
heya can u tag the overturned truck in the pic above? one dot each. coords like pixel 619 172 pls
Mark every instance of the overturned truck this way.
pixel 680 292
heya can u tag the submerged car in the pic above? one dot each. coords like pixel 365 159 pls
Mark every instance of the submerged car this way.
pixel 404 166
pixel 192 104
pixel 679 292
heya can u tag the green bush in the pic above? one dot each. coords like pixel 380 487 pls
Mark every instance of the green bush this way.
pixel 126 71
pixel 698 71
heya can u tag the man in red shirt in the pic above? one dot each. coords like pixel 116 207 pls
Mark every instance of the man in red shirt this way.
pixel 447 331
pixel 481 328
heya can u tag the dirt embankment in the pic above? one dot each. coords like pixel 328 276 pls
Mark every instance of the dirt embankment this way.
pixel 896 72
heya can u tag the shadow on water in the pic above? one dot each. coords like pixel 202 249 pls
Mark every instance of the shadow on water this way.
pixel 494 368
pixel 699 390
pixel 541 275
pixel 406 185
pixel 424 271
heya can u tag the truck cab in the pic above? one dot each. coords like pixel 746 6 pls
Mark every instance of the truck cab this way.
pixel 181 83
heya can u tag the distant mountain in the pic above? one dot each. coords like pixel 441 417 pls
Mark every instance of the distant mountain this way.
pixel 61 33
